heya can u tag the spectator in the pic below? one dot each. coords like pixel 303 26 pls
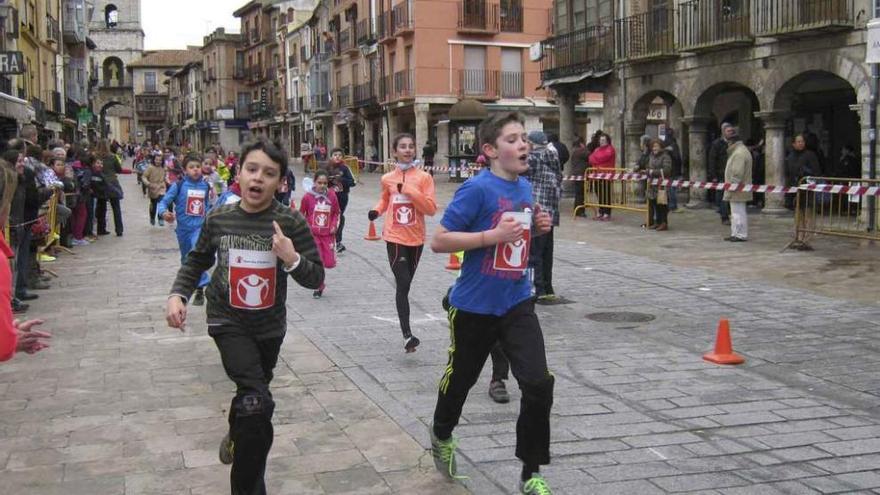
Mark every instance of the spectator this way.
pixel 849 165
pixel 757 150
pixel 659 167
pixel 113 189
pixel 604 157
pixel 715 169
pixel 559 147
pixel 671 145
pixel 578 169
pixel 801 162
pixel 738 171
pixel 154 178
pixel 545 175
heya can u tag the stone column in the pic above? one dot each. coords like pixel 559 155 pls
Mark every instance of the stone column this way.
pixel 351 137
pixel 441 159
pixel 567 102
pixel 697 130
pixel 634 132
pixel 774 158
pixel 422 111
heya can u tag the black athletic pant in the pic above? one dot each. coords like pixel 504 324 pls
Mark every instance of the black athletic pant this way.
pixel 657 213
pixel 541 263
pixel 249 363
pixel 404 260
pixel 154 204
pixel 500 364
pixel 101 215
pixel 343 203
pixel 519 334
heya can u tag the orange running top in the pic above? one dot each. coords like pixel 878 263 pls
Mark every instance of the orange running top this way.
pixel 405 210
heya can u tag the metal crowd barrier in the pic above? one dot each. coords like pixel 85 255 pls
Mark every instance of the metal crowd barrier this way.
pixel 614 193
pixel 837 207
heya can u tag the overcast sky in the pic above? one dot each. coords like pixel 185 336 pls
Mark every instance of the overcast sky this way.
pixel 174 24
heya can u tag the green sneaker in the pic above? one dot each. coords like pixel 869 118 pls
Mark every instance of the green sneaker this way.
pixel 443 452
pixel 536 485
pixel 227 450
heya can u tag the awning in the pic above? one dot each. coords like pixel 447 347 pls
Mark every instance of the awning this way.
pixel 16 108
pixel 575 78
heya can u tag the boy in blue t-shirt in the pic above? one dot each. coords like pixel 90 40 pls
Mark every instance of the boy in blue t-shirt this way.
pixel 492 219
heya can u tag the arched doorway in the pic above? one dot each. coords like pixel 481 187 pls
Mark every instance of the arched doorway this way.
pixel 819 103
pixel 114 119
pixel 654 114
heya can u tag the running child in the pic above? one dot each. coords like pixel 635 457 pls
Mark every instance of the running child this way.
pixel 190 197
pixel 492 218
pixel 407 196
pixel 342 182
pixel 321 209
pixel 256 243
pixel 154 178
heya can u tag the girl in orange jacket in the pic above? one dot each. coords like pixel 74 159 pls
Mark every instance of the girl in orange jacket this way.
pixel 407 196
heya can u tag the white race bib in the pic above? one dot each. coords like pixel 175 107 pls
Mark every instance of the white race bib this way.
pixel 402 210
pixel 195 203
pixel 252 279
pixel 514 256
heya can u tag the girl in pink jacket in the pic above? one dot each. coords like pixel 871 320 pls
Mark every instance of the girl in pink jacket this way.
pixel 321 209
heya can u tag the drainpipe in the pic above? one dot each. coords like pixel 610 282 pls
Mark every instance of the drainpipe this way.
pixel 620 73
pixel 872 132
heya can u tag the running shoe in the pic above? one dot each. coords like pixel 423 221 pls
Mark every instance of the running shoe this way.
pixel 443 452
pixel 80 242
pixel 536 485
pixel 498 392
pixel 317 294
pixel 199 299
pixel 227 450
pixel 340 247
pixel 45 258
pixel 410 343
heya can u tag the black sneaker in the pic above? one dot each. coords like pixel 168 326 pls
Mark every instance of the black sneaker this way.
pixel 340 247
pixel 498 392
pixel 411 343
pixel 199 299
pixel 317 294
pixel 19 307
pixel 227 450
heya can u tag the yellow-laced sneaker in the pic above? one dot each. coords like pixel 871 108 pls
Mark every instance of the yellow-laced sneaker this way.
pixel 536 485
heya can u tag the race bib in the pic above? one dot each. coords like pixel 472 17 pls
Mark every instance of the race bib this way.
pixel 195 203
pixel 402 210
pixel 514 256
pixel 252 279
pixel 321 218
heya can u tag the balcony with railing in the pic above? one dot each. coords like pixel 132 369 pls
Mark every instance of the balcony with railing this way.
pixel 478 17
pixel 365 34
pixel 320 101
pixel 53 101
pixel 402 18
pixel 364 95
pixel 346 41
pixel 343 97
pixel 384 27
pixel 478 84
pixel 151 107
pixel 255 36
pixel 512 84
pixel 584 50
pixel 74 30
pixel 647 36
pixel 511 18
pixel 705 26
pixel 789 18
pixel 404 83
pixel 53 29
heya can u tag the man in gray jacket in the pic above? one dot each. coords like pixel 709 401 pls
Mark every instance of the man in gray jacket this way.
pixel 738 171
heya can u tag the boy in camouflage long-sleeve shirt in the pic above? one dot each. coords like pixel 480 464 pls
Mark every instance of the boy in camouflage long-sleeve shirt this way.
pixel 256 244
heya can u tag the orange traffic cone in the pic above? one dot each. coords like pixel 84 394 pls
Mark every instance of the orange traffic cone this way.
pixel 371 233
pixel 453 263
pixel 723 347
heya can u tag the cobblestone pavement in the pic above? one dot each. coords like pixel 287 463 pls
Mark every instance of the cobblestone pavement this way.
pixel 121 404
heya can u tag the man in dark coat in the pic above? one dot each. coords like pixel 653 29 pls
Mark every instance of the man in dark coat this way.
pixel 715 168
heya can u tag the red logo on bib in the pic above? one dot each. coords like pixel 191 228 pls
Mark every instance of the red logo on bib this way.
pixel 402 210
pixel 252 279
pixel 195 203
pixel 514 256
pixel 321 218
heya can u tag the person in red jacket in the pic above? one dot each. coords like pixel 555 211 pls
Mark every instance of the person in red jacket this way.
pixel 604 157
pixel 407 196
pixel 321 209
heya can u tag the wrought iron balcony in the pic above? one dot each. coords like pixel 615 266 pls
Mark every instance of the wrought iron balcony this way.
pixel 53 29
pixel 584 50
pixel 705 26
pixel 347 41
pixel 365 34
pixel 789 18
pixel 646 36
pixel 478 84
pixel 343 97
pixel 384 27
pixel 512 85
pixel 319 102
pixel 402 18
pixel 511 18
pixel 364 95
pixel 478 17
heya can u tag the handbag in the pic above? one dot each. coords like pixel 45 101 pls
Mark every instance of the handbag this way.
pixel 40 227
pixel 662 196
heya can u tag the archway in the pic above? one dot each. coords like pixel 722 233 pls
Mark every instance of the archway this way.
pixel 113 72
pixel 654 114
pixel 819 103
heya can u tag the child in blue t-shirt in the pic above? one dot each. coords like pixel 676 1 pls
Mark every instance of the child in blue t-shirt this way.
pixel 492 218
pixel 191 199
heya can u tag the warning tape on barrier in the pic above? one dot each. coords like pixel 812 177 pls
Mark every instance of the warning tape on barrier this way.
pixel 851 190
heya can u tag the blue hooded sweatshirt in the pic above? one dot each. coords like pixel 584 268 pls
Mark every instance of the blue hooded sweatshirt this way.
pixel 191 202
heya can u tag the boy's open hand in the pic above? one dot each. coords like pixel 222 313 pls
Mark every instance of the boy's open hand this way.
pixel 175 313
pixel 168 216
pixel 508 229
pixel 30 341
pixel 283 247
pixel 543 221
